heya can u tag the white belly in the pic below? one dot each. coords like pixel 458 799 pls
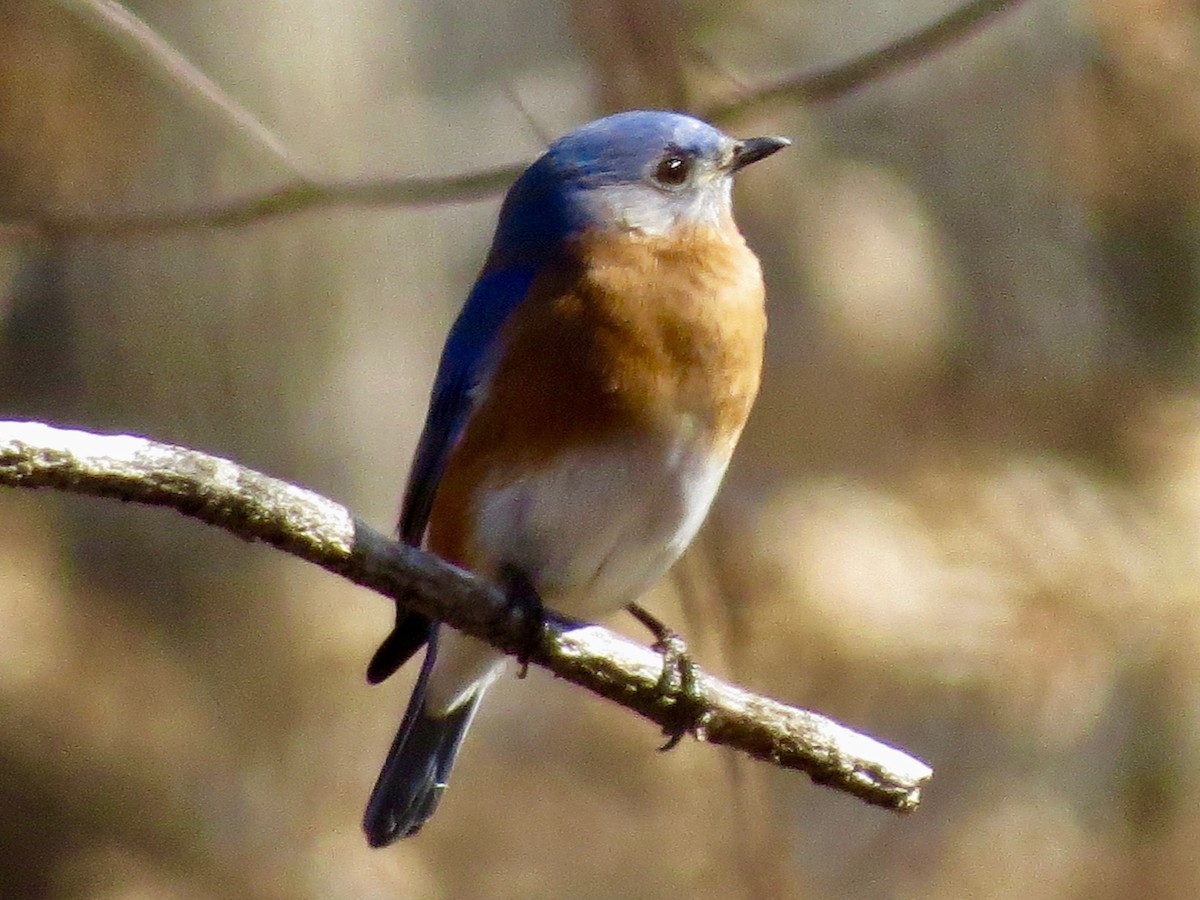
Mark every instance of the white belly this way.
pixel 593 533
pixel 597 529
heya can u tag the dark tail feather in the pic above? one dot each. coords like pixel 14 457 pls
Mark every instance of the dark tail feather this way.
pixel 411 631
pixel 418 765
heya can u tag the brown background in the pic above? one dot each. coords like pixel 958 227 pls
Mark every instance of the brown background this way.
pixel 963 517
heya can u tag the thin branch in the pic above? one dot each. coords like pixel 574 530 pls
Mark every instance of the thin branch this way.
pixel 144 44
pixel 286 200
pixel 846 77
pixel 257 507
pixel 543 135
pixel 308 193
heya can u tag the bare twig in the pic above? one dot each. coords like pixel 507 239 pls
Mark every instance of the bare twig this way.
pixel 307 193
pixel 307 525
pixel 285 200
pixel 144 44
pixel 846 77
pixel 538 130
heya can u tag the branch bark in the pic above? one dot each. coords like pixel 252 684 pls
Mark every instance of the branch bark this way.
pixel 260 508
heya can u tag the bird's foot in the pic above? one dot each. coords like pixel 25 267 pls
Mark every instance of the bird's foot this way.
pixel 677 683
pixel 526 607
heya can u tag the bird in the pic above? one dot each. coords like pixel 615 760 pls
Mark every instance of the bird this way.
pixel 585 408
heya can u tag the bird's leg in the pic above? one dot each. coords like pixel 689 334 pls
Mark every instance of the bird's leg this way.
pixel 678 679
pixel 672 646
pixel 524 604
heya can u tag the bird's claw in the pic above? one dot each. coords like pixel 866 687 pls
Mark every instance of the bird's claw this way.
pixel 677 685
pixel 524 605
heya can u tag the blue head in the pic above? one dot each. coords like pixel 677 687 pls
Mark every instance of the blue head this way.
pixel 647 172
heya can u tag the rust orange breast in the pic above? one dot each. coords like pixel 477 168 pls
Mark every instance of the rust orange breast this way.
pixel 629 337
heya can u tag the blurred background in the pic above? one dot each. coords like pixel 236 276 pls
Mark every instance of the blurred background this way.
pixel 965 516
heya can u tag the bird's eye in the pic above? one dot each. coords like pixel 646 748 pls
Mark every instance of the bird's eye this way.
pixel 673 170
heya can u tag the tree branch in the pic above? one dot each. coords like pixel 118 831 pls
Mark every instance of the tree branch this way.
pixel 308 192
pixel 846 77
pixel 285 200
pixel 158 57
pixel 257 507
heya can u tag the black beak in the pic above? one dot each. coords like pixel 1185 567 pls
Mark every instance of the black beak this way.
pixel 752 150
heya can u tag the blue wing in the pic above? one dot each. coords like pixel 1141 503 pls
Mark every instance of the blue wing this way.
pixel 465 360
pixel 533 222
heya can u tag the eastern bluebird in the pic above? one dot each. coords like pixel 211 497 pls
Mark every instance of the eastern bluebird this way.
pixel 585 408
